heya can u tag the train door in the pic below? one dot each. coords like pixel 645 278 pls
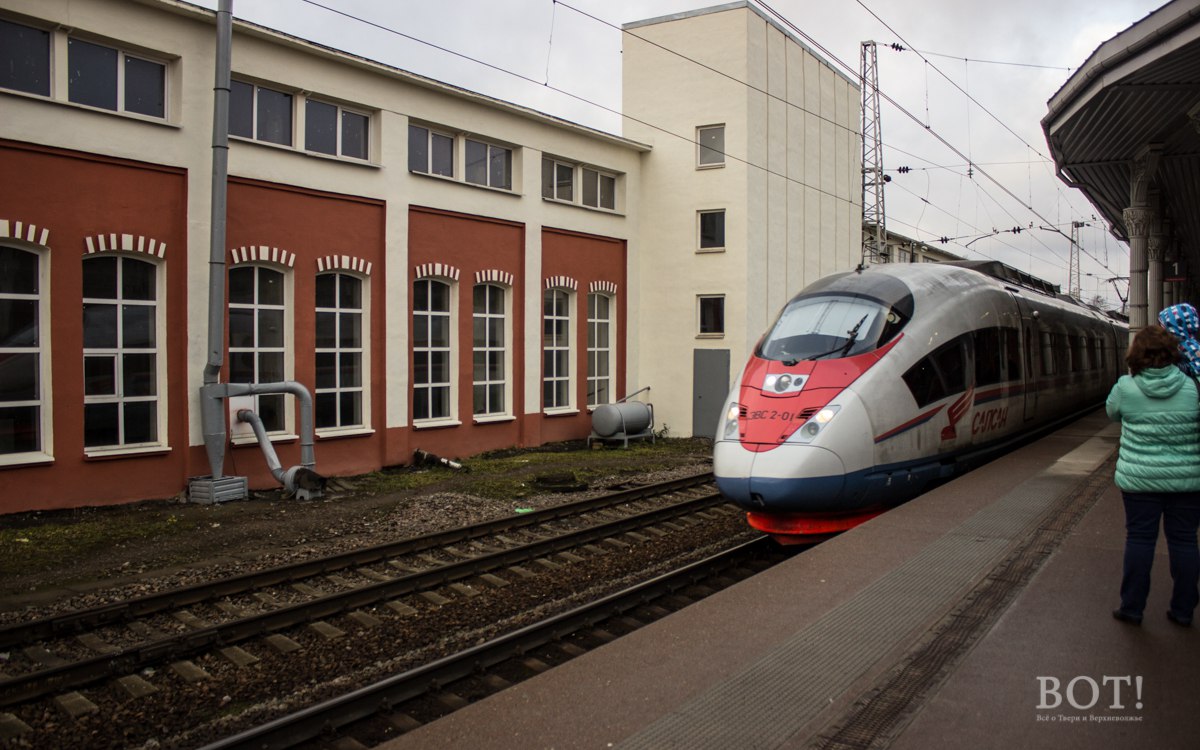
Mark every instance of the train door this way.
pixel 1030 345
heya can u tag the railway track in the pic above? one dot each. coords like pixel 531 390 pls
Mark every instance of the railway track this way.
pixel 389 705
pixel 62 657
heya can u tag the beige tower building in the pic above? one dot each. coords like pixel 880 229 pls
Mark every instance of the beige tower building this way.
pixel 752 191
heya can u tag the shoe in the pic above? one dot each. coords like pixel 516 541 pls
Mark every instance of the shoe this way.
pixel 1178 620
pixel 1126 617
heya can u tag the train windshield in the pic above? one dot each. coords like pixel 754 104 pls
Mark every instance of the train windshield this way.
pixel 830 326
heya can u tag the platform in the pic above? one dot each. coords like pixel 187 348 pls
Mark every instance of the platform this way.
pixel 977 615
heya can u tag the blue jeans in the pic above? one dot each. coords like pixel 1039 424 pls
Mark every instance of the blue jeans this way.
pixel 1180 514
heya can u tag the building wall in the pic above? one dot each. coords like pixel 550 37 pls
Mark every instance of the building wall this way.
pixel 69 206
pixel 790 185
pixel 129 185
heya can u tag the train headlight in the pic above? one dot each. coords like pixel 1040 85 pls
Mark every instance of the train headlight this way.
pixel 813 426
pixel 729 429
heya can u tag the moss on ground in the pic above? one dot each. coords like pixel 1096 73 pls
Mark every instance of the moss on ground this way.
pixel 50 543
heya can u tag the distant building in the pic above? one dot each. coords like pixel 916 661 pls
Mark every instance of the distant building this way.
pixel 441 269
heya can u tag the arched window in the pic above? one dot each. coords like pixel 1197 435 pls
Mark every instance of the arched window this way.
pixel 433 385
pixel 490 341
pixel 24 355
pixel 600 349
pixel 122 361
pixel 341 351
pixel 556 349
pixel 258 336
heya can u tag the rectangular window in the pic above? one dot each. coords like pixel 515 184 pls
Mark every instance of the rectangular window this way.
pixel 489 377
pixel 339 351
pixel 489 165
pixel 24 58
pixel 431 350
pixel 710 146
pixel 120 352
pixel 430 152
pixel 260 113
pixel 599 189
pixel 107 78
pixel 599 388
pixel 257 340
pixel 330 129
pixel 712 230
pixel 21 356
pixel 556 349
pixel 558 180
pixel 712 315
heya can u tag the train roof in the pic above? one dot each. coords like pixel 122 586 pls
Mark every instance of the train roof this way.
pixel 998 270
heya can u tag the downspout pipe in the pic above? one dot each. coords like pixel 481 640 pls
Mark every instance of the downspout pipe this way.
pixel 212 411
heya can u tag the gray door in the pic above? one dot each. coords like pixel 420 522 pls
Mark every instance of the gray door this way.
pixel 710 386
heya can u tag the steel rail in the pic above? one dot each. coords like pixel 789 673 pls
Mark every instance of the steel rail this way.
pixel 27 687
pixel 308 723
pixel 72 623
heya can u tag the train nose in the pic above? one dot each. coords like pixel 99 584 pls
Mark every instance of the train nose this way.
pixel 787 478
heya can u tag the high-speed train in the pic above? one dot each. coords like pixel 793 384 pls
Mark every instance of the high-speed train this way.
pixel 873 384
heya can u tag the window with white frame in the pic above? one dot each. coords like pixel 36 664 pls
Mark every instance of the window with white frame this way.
pixel 556 349
pixel 24 356
pixel 712 229
pixel 599 189
pixel 710 146
pixel 260 113
pixel 558 180
pixel 257 336
pixel 488 164
pixel 430 152
pixel 432 325
pixel 489 379
pixel 24 58
pixel 121 358
pixel 600 350
pixel 711 311
pixel 334 130
pixel 105 77
pixel 340 361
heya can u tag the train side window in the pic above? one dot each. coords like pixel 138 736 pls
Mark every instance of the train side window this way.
pixel 988 360
pixel 1062 354
pixel 924 382
pixel 1077 362
pixel 1012 353
pixel 1047 353
pixel 940 374
pixel 952 365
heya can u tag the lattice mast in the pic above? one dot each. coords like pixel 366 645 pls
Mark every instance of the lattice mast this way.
pixel 874 234
pixel 1074 287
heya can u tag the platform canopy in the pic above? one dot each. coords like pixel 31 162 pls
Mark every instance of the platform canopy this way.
pixel 1125 129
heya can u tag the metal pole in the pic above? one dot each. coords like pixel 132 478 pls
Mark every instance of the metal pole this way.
pixel 212 413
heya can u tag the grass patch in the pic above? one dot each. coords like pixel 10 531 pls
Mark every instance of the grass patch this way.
pixel 53 543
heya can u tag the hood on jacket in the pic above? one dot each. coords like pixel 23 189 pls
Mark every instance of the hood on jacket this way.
pixel 1181 320
pixel 1160 382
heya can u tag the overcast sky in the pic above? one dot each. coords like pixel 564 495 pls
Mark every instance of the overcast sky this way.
pixel 1010 56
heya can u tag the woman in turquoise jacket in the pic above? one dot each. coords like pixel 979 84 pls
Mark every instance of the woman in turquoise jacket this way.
pixel 1158 471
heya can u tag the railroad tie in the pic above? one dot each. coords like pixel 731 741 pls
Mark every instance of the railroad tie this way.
pixel 75 705
pixel 11 727
pixel 401 608
pixel 189 672
pixel 239 656
pixel 281 643
pixel 134 686
pixel 326 631
pixel 364 619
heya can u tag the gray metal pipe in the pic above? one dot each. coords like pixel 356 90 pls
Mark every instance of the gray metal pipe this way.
pixel 308 458
pixel 212 414
pixel 251 418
